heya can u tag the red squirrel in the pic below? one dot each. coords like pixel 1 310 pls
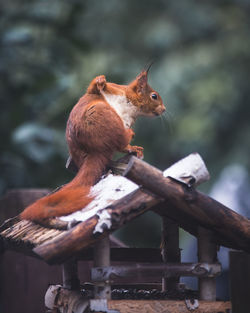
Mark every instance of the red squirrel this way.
pixel 98 125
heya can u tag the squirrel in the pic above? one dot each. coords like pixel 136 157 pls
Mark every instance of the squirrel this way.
pixel 98 125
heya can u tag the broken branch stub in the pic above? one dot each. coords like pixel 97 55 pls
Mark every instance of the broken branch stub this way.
pixel 190 170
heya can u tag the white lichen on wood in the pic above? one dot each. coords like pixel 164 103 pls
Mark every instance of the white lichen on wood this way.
pixel 104 221
pixel 106 191
pixel 190 170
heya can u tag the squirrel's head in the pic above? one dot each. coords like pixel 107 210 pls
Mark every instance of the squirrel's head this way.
pixel 148 101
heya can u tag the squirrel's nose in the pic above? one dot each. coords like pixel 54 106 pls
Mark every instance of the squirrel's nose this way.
pixel 160 109
pixel 163 109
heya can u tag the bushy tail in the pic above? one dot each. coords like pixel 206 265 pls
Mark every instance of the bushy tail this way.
pixel 72 197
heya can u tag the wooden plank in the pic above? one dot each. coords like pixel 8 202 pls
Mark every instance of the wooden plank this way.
pixel 166 306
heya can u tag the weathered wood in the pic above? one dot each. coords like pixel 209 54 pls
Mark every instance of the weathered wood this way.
pixel 99 217
pixel 70 275
pixel 26 234
pixel 207 252
pixel 115 187
pixel 83 235
pixel 202 209
pixel 191 170
pixel 56 223
pixel 170 250
pixel 185 205
pixel 102 289
pixel 155 271
pixel 68 301
pixel 63 300
pixel 166 306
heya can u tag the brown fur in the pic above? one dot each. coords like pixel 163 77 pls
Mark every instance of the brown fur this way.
pixel 94 132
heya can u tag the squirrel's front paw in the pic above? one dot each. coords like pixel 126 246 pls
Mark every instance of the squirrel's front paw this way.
pixel 138 151
pixel 100 82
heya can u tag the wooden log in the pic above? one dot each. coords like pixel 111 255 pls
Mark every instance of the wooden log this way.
pixel 100 217
pixel 201 209
pixel 102 289
pixel 70 275
pixel 113 187
pixel 183 204
pixel 207 252
pixel 84 235
pixel 170 250
pixel 154 272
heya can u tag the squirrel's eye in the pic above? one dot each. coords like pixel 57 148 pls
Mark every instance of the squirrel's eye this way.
pixel 154 96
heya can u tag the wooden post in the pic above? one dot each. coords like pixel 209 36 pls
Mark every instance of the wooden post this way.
pixel 207 252
pixel 70 275
pixel 170 250
pixel 102 259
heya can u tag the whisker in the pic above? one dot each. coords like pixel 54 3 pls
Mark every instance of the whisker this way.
pixel 162 121
pixel 168 120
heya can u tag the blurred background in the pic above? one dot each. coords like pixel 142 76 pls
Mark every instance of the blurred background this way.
pixel 50 51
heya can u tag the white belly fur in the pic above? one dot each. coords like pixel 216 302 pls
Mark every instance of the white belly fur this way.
pixel 124 108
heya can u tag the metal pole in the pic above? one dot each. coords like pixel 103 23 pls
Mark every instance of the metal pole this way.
pixel 170 250
pixel 102 259
pixel 70 275
pixel 207 252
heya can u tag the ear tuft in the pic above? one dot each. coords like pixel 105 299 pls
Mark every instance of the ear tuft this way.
pixel 142 80
pixel 149 66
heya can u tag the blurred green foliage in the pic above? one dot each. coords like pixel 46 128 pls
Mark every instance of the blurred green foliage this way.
pixel 50 50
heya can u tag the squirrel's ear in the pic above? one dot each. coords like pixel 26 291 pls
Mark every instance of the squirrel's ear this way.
pixel 140 83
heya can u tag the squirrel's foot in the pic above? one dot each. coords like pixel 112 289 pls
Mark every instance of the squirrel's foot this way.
pixel 135 149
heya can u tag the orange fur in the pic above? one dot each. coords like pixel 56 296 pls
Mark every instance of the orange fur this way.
pixel 95 130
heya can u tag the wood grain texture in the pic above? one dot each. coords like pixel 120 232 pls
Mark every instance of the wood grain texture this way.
pixel 193 206
pixel 166 306
pixel 186 206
